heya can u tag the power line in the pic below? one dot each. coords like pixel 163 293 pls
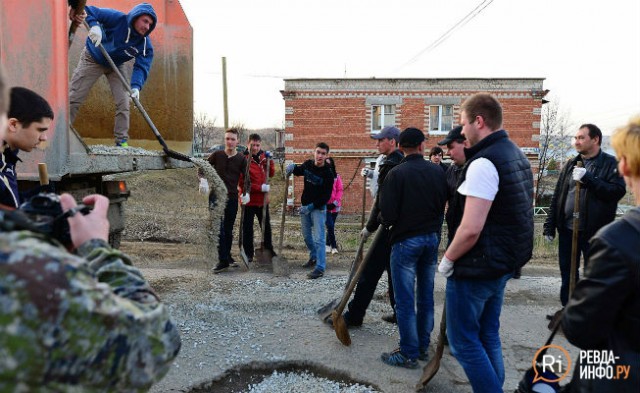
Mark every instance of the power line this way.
pixel 467 18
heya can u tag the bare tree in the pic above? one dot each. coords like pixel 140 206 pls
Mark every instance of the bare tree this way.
pixel 204 132
pixel 554 144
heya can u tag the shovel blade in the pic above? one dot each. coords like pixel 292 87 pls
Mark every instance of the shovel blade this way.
pixel 325 311
pixel 263 256
pixel 245 259
pixel 280 266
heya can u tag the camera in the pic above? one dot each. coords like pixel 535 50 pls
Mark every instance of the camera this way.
pixel 45 213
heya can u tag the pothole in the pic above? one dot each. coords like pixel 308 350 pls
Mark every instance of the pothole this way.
pixel 284 377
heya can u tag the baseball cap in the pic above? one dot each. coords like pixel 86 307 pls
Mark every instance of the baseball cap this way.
pixel 453 135
pixel 411 137
pixel 389 132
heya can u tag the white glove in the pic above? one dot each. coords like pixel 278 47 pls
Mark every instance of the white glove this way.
pixel 578 173
pixel 548 238
pixel 244 199
pixel 204 186
pixel 364 234
pixel 266 188
pixel 95 35
pixel 366 172
pixel 446 266
pixel 135 93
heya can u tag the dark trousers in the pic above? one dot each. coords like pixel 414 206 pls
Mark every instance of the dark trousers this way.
pixel 250 212
pixel 380 261
pixel 565 240
pixel 226 231
pixel 331 229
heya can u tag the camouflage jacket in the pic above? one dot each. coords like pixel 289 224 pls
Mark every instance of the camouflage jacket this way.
pixel 85 323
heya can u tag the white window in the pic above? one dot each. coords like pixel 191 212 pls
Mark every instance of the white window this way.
pixel 440 119
pixel 382 116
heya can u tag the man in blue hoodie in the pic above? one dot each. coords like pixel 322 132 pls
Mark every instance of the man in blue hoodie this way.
pixel 125 38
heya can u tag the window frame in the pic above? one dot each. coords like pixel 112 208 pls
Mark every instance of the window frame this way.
pixel 382 116
pixel 440 130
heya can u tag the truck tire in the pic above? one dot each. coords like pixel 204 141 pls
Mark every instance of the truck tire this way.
pixel 115 238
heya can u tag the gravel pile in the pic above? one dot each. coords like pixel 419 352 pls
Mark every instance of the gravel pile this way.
pixel 304 383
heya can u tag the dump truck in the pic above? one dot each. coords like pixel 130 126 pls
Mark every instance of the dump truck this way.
pixel 82 158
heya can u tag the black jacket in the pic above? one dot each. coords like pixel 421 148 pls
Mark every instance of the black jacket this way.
pixel 506 241
pixel 318 183
pixel 413 198
pixel 453 214
pixel 604 188
pixel 604 311
pixel 387 165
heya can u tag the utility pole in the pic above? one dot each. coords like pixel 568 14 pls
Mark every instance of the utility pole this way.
pixel 224 93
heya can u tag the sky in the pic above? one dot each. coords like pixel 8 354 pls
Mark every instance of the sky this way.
pixel 588 51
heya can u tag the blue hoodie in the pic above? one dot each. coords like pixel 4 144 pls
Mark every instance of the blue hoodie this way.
pixel 121 40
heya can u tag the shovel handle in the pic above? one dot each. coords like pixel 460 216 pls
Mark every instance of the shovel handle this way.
pixel 43 174
pixel 574 239
pixel 354 280
pixel 284 210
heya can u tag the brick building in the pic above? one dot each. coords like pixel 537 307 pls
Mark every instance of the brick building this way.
pixel 344 113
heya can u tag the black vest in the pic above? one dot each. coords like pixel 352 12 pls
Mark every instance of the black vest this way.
pixel 506 241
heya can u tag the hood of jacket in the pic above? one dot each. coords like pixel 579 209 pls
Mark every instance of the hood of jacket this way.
pixel 139 10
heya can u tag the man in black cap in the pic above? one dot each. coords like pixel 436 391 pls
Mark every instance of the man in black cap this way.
pixel 412 204
pixel 380 254
pixel 455 143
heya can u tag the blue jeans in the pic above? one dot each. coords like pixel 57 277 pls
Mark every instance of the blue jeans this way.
pixel 412 260
pixel 565 241
pixel 473 330
pixel 313 234
pixel 331 229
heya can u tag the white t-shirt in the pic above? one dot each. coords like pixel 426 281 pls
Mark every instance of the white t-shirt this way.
pixel 481 181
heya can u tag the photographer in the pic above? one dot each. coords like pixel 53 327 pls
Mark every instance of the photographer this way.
pixel 81 322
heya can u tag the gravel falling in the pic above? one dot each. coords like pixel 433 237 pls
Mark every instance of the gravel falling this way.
pixel 304 383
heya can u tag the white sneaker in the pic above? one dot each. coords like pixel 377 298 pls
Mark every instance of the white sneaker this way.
pixel 327 249
pixel 334 250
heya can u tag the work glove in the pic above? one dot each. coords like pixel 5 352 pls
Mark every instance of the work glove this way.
pixel 244 199
pixel 268 154
pixel 578 173
pixel 135 93
pixel 95 35
pixel 548 238
pixel 289 169
pixel 367 172
pixel 266 188
pixel 306 209
pixel 203 188
pixel 446 267
pixel 331 206
pixel 364 234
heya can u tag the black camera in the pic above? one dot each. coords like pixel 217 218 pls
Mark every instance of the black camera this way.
pixel 45 212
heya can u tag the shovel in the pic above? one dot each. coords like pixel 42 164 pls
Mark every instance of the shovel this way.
pixel 72 29
pixel 165 148
pixel 279 262
pixel 247 185
pixel 326 311
pixel 264 255
pixel 339 325
pixel 434 364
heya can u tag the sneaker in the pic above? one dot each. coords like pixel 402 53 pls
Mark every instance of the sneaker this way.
pixel 315 274
pixel 334 251
pixel 391 318
pixel 424 355
pixel 122 143
pixel 221 267
pixel 397 359
pixel 327 249
pixel 310 263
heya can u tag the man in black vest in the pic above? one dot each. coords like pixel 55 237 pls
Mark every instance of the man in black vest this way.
pixel 493 238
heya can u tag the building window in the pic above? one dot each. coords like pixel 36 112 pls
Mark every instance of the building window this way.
pixel 440 119
pixel 382 116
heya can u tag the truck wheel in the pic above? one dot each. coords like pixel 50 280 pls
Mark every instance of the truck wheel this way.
pixel 115 238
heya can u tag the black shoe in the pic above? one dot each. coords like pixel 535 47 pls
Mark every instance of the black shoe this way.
pixel 310 263
pixel 518 273
pixel 424 355
pixel 221 267
pixel 347 321
pixel 391 318
pixel 315 274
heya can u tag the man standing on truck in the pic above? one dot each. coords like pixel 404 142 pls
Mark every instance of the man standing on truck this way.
pixel 125 37
pixel 229 165
pixel 30 117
